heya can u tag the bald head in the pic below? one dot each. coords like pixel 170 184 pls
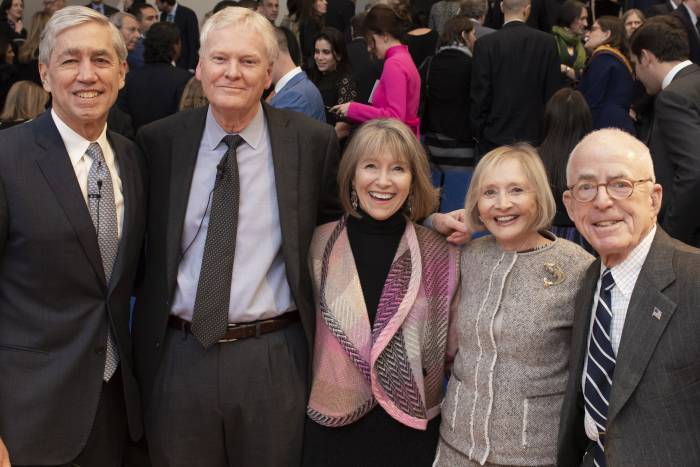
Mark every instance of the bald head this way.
pixel 514 6
pixel 611 141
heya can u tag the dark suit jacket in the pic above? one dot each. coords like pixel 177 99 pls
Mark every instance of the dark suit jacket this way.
pixel 54 304
pixel 654 414
pixel 108 10
pixel 305 158
pixel 515 71
pixel 674 140
pixel 152 92
pixel 664 8
pixel 693 41
pixel 186 21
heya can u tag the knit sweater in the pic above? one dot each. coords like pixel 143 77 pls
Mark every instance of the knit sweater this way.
pixel 399 362
pixel 511 367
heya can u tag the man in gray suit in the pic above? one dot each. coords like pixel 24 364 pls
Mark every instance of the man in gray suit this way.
pixel 475 10
pixel 633 396
pixel 660 53
pixel 224 322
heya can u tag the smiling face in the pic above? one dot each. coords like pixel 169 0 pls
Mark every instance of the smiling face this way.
pixel 234 73
pixel 613 227
pixel 324 56
pixel 507 205
pixel 16 10
pixel 382 183
pixel 83 75
pixel 580 23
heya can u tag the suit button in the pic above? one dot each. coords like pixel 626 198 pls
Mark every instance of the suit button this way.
pixel 167 303
pixel 100 350
pixel 157 345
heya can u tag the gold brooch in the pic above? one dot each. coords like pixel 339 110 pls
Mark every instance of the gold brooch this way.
pixel 554 271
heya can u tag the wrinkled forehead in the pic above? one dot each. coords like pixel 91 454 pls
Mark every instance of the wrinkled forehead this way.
pixel 602 160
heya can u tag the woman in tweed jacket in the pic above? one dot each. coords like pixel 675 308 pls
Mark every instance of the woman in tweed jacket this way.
pixel 512 332
pixel 383 288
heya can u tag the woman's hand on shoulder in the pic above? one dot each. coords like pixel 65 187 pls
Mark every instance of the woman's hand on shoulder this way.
pixel 452 226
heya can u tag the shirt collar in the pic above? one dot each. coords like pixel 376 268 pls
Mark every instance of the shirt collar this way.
pixel 286 78
pixel 626 273
pixel 251 134
pixel 76 145
pixel 673 72
pixel 693 16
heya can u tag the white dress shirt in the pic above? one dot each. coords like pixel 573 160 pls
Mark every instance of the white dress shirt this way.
pixel 76 146
pixel 673 72
pixel 625 276
pixel 285 79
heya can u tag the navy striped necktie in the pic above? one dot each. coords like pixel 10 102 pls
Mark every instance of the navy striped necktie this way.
pixel 600 365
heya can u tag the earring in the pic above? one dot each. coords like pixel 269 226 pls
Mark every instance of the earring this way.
pixel 353 199
pixel 409 206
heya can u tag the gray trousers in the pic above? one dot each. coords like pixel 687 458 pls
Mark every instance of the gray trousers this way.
pixel 237 403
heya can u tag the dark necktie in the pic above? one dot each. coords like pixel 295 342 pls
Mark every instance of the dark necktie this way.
pixel 103 211
pixel 210 316
pixel 600 366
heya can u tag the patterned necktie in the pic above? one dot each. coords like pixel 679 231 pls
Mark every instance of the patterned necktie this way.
pixel 600 366
pixel 210 316
pixel 170 18
pixel 103 211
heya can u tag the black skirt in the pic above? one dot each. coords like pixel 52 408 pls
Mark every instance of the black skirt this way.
pixel 374 440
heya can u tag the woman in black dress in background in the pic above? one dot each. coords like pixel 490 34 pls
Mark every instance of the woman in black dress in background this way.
pixel 330 72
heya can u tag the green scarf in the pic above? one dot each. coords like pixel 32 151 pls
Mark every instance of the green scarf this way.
pixel 565 38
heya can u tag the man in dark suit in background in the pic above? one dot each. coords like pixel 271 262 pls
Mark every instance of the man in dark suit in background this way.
pixel 100 6
pixel 688 12
pixel 660 53
pixel 475 10
pixel 71 229
pixel 665 8
pixel 632 397
pixel 186 21
pixel 223 344
pixel 514 73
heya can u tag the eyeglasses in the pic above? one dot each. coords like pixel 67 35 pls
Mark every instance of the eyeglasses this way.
pixel 586 191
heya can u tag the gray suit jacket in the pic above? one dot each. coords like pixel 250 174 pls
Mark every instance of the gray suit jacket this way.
pixel 480 30
pixel 654 414
pixel 673 143
pixel 305 158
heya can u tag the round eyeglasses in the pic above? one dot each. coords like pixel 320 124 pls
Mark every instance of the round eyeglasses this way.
pixel 586 191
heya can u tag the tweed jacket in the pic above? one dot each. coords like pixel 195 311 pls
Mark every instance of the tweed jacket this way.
pixel 511 367
pixel 400 362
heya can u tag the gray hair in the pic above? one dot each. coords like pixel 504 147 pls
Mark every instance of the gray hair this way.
pixel 474 9
pixel 246 18
pixel 70 17
pixel 117 18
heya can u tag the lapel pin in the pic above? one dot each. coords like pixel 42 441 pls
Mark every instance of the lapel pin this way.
pixel 555 272
pixel 657 313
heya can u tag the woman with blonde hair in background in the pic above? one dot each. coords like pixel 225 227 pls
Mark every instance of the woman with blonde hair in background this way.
pixel 25 101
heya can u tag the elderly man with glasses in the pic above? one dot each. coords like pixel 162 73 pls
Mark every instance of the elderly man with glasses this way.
pixel 634 372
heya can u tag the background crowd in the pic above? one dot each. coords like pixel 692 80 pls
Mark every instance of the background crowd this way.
pixel 501 189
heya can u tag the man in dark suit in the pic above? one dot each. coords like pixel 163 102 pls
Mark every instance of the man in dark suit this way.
pixel 71 229
pixel 514 73
pixel 632 397
pixel 100 6
pixel 154 90
pixel 660 53
pixel 688 12
pixel 222 346
pixel 186 21
pixel 664 8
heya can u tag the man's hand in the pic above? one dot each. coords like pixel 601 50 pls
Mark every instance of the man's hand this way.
pixel 4 455
pixel 452 226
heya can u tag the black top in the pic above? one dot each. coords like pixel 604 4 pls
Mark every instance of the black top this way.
pixel 374 244
pixel 336 88
pixel 422 47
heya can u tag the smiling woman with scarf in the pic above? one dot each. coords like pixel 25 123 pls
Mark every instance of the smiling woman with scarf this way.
pixel 572 22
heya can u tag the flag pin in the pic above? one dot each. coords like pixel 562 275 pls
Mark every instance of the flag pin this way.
pixel 656 313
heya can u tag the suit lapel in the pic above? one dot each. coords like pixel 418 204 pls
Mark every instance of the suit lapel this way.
pixel 126 174
pixel 648 315
pixel 285 158
pixel 58 171
pixel 184 149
